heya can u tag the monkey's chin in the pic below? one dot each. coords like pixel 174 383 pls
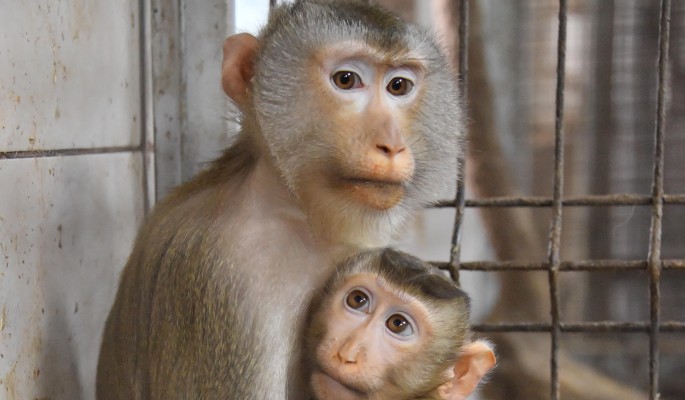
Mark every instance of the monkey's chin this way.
pixel 378 195
pixel 327 388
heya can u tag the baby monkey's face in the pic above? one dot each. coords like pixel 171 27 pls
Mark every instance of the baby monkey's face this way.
pixel 371 329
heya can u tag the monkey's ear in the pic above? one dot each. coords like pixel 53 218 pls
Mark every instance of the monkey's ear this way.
pixel 475 361
pixel 237 69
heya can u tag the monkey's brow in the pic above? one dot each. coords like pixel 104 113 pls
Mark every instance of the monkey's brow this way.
pixel 394 290
pixel 424 59
pixel 393 61
pixel 420 59
pixel 420 64
pixel 402 59
pixel 416 64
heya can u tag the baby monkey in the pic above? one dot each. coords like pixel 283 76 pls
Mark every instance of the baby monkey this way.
pixel 386 325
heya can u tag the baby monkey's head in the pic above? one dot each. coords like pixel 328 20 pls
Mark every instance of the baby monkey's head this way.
pixel 388 325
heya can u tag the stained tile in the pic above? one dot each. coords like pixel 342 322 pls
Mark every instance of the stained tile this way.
pixel 69 75
pixel 66 229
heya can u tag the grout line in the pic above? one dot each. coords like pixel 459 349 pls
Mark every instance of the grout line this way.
pixel 12 155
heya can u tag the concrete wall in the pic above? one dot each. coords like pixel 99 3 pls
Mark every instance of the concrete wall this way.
pixel 71 189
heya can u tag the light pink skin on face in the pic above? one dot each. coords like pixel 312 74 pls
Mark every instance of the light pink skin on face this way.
pixel 359 346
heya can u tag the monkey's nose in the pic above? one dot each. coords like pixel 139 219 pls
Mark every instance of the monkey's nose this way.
pixel 348 356
pixel 391 150
pixel 389 140
pixel 349 353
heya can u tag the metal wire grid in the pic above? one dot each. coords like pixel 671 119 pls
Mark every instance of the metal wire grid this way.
pixel 653 264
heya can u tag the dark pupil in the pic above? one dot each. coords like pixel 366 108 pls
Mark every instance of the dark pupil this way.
pixel 357 299
pixel 398 322
pixel 346 78
pixel 397 84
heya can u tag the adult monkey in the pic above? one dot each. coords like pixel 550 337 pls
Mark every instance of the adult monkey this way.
pixel 350 121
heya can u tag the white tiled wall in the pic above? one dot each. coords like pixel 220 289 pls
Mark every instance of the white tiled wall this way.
pixel 69 79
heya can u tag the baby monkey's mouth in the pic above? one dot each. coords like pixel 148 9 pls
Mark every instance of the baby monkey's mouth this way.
pixel 321 377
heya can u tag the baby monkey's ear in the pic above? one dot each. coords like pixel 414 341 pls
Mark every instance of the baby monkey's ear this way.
pixel 475 361
pixel 237 68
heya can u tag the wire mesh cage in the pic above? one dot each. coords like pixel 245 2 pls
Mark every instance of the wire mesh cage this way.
pixel 651 204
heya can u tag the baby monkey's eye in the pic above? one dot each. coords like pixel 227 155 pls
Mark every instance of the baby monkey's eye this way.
pixel 399 325
pixel 399 86
pixel 358 300
pixel 347 80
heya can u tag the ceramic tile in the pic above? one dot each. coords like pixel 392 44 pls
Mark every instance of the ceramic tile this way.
pixel 69 75
pixel 66 229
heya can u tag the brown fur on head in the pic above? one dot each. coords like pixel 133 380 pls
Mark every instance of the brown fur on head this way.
pixel 420 372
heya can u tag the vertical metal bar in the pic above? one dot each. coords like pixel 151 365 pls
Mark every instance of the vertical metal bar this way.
pixel 555 231
pixel 167 93
pixel 654 256
pixel 455 250
pixel 146 111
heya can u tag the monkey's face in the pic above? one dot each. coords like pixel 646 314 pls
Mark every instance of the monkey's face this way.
pixel 370 331
pixel 367 136
pixel 360 114
pixel 357 141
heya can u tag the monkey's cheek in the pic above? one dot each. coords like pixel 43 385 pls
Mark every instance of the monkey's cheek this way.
pixel 380 197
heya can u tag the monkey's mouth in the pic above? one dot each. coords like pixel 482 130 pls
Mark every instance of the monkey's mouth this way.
pixel 380 183
pixel 325 382
pixel 376 193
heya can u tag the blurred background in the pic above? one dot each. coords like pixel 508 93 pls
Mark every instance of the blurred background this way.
pixel 104 106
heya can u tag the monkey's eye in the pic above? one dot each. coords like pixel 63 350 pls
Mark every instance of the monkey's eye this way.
pixel 399 325
pixel 399 86
pixel 358 300
pixel 347 80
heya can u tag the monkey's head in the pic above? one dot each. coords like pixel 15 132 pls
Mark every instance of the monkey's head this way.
pixel 386 325
pixel 359 110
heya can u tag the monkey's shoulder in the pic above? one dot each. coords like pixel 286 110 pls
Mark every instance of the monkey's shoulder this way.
pixel 240 226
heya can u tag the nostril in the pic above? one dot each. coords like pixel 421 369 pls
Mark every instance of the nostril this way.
pixel 389 151
pixel 384 149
